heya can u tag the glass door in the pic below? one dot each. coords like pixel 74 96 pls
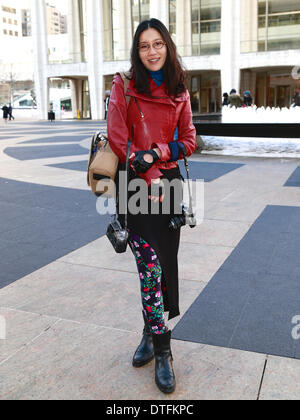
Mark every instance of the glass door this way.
pixel 204 95
pixel 283 96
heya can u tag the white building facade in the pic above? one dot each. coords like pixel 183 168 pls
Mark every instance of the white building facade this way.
pixel 16 52
pixel 243 44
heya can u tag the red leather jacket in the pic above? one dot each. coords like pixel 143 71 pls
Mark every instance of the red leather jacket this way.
pixel 155 121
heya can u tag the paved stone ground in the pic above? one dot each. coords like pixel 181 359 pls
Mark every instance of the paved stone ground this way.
pixel 73 323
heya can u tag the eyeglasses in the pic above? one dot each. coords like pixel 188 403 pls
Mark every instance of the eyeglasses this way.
pixel 157 45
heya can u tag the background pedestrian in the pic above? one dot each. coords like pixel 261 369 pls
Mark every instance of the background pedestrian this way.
pixel 5 112
pixel 234 99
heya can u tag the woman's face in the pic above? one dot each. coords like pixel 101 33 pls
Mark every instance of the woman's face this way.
pixel 152 50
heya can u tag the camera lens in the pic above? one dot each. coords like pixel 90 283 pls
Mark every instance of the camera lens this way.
pixel 177 222
pixel 172 225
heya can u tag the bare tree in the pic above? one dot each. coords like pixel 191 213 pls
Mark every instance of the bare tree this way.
pixel 9 79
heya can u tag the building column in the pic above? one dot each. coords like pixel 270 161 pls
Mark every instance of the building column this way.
pixel 230 45
pixel 249 26
pixel 184 27
pixel 122 29
pixel 39 36
pixel 74 97
pixel 95 57
pixel 75 53
pixel 160 10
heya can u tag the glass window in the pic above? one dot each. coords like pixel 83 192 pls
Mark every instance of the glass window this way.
pixel 210 9
pixel 135 13
pixel 115 29
pixel 83 28
pixel 206 27
pixel 262 7
pixel 60 47
pixel 145 9
pixel 107 30
pixel 278 25
pixel 172 19
pixel 279 6
pixel 140 11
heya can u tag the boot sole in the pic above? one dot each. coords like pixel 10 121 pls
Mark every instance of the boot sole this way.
pixel 141 364
pixel 166 390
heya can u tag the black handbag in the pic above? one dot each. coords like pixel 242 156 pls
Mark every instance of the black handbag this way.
pixel 116 234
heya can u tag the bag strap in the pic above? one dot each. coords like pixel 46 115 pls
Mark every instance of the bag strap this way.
pixel 126 84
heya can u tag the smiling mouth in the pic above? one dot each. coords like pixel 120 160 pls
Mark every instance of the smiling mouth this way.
pixel 154 61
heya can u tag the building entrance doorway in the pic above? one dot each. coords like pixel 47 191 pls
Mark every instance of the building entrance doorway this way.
pixel 275 88
pixel 280 96
pixel 81 104
pixel 205 91
pixel 86 106
pixel 209 100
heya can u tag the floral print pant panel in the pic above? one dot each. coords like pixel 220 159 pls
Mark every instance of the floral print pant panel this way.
pixel 150 273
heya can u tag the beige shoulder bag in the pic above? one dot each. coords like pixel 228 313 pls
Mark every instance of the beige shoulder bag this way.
pixel 103 162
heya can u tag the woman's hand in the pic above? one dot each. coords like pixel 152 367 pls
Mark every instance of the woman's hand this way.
pixel 144 160
pixel 157 189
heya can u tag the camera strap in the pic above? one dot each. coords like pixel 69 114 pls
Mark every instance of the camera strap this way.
pixel 126 179
pixel 186 164
pixel 125 186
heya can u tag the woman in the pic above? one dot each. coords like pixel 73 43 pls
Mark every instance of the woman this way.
pixel 159 111
pixel 5 112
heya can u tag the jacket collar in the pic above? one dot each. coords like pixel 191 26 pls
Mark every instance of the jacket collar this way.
pixel 158 93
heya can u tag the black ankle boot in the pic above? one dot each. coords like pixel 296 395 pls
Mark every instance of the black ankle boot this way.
pixel 164 374
pixel 145 352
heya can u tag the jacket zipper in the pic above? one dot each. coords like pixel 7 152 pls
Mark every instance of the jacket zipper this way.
pixel 139 108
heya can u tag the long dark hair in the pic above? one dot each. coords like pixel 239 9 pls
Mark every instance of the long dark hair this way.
pixel 174 73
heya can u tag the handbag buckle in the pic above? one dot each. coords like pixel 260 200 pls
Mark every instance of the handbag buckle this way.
pixel 100 138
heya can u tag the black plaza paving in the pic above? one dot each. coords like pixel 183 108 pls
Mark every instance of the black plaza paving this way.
pixel 43 152
pixel 40 224
pixel 50 131
pixel 58 139
pixel 208 171
pixel 250 302
pixel 72 166
pixel 294 179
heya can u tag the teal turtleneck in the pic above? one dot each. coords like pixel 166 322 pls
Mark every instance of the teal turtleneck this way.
pixel 157 76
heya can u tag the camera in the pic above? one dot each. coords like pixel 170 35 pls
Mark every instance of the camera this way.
pixel 117 236
pixel 186 218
